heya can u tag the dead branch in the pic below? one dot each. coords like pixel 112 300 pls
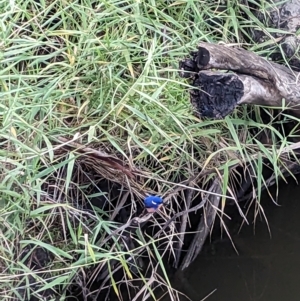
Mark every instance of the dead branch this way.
pixel 184 222
pixel 205 225
pixel 255 81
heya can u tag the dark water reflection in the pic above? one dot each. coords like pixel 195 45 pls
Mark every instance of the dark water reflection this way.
pixel 266 269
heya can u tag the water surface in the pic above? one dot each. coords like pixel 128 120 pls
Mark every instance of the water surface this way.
pixel 266 268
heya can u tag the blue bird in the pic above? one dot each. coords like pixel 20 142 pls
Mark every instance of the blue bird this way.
pixel 152 203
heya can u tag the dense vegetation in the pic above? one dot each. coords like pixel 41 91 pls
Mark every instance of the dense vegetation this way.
pixel 104 75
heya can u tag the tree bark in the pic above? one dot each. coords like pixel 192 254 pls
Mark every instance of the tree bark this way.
pixel 252 80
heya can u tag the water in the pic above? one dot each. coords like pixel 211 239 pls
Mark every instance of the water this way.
pixel 266 269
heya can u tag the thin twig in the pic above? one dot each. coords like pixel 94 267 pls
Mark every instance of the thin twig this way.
pixel 184 222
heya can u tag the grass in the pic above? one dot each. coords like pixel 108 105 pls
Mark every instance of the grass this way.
pixel 104 74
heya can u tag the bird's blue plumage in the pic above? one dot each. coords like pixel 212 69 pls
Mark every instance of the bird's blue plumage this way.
pixel 153 201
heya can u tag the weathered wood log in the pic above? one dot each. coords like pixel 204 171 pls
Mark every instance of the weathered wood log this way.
pixel 254 81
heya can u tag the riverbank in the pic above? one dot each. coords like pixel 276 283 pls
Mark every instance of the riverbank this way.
pixel 94 117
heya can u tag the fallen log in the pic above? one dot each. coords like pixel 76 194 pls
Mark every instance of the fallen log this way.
pixel 251 80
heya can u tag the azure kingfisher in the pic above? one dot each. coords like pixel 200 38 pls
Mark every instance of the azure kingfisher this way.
pixel 153 203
